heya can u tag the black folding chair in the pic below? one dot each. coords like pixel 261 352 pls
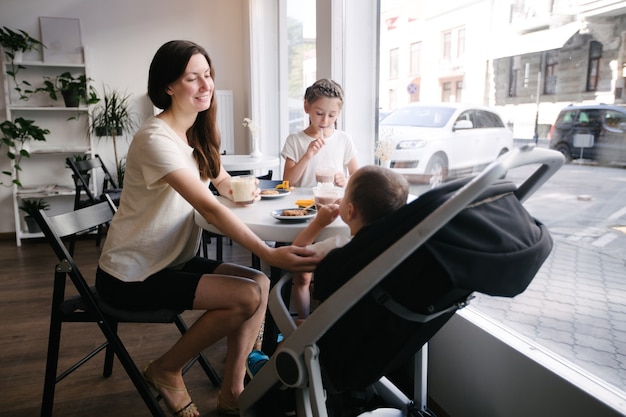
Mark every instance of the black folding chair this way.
pixel 82 171
pixel 87 306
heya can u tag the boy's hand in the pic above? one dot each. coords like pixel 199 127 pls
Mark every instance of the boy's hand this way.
pixel 326 214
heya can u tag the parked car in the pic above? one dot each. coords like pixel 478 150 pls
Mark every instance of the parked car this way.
pixel 595 132
pixel 434 142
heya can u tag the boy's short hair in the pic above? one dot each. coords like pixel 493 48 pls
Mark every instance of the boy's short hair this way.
pixel 376 192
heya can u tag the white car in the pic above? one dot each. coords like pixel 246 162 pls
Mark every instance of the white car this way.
pixel 434 142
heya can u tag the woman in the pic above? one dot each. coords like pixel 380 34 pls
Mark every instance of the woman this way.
pixel 148 258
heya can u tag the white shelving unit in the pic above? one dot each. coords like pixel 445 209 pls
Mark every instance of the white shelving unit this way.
pixel 44 174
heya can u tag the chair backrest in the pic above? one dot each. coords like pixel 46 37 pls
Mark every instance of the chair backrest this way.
pixel 64 225
pixel 82 183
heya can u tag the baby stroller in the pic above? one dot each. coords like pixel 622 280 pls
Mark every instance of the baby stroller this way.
pixel 388 291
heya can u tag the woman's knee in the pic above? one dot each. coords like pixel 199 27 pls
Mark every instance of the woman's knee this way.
pixel 241 271
pixel 251 298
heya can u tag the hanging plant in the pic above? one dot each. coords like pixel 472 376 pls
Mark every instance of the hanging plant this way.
pixel 14 44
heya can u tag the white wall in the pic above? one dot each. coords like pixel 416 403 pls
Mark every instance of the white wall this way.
pixel 471 372
pixel 121 36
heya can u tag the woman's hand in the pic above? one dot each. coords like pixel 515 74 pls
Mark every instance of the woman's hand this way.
pixel 293 258
pixel 256 193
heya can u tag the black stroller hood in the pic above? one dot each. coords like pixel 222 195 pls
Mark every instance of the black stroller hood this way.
pixel 492 246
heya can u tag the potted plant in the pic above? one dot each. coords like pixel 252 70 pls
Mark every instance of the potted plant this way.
pixel 14 44
pixel 111 117
pixel 74 89
pixel 15 135
pixel 121 171
pixel 30 207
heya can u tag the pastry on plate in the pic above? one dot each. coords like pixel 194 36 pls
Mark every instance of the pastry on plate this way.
pixel 294 212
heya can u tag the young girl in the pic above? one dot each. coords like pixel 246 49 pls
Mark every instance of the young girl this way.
pixel 321 145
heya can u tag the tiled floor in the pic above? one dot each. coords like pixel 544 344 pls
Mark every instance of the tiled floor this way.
pixel 576 309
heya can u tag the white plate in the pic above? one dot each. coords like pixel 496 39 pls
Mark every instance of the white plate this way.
pixel 277 214
pixel 281 193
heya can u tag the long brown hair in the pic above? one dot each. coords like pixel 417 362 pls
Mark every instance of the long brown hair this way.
pixel 168 65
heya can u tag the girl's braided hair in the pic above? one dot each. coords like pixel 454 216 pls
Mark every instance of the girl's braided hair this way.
pixel 323 88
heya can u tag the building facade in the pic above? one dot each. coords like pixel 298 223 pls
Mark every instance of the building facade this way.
pixel 528 59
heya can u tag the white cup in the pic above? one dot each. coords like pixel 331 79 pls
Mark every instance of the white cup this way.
pixel 327 194
pixel 243 187
pixel 325 176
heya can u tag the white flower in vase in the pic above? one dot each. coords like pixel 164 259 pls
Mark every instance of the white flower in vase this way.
pixel 383 152
pixel 254 132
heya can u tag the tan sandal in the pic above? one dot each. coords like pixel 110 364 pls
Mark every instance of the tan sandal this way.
pixel 189 410
pixel 226 408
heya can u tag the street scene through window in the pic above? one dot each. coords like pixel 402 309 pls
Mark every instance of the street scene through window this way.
pixel 553 72
pixel 462 82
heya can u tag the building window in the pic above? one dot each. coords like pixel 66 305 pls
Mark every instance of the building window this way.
pixel 460 46
pixel 452 90
pixel 595 54
pixel 446 92
pixel 550 70
pixel 394 55
pixel 416 58
pixel 516 63
pixel 446 46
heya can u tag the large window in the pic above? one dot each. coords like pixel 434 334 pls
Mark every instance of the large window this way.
pixel 301 65
pixel 574 307
pixel 527 89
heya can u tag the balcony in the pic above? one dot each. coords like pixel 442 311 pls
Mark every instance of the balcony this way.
pixel 597 8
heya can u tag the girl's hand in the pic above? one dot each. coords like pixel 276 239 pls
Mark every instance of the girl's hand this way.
pixel 340 180
pixel 315 146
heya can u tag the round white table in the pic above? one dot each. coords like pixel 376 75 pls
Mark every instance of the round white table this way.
pixel 258 218
pixel 248 163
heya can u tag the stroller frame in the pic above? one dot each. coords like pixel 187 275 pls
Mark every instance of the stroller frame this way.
pixel 296 362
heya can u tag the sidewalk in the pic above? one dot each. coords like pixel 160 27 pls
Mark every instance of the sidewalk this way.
pixel 575 306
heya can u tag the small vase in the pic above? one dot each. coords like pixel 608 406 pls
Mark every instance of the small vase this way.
pixel 256 153
pixel 385 163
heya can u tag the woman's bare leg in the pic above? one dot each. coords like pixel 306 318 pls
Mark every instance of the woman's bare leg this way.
pixel 235 298
pixel 242 340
